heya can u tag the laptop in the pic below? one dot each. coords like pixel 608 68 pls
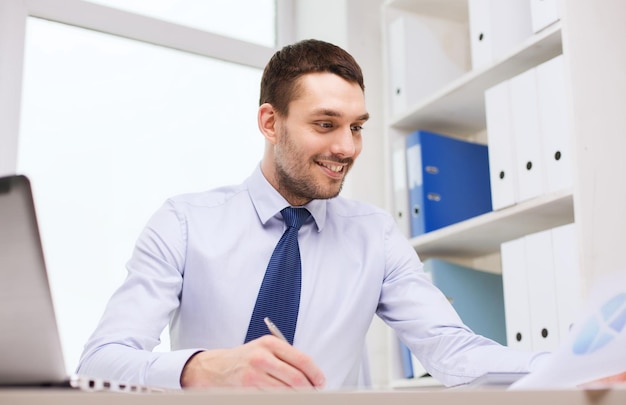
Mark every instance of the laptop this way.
pixel 30 347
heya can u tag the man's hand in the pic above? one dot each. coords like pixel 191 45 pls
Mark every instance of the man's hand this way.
pixel 266 362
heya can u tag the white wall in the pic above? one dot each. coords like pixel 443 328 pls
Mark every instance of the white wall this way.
pixel 593 32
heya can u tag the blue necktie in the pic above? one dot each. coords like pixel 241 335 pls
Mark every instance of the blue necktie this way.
pixel 279 295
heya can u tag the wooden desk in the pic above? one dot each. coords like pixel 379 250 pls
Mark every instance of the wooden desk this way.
pixel 447 397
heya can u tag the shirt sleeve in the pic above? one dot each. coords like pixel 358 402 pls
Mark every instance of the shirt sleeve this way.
pixel 428 324
pixel 121 347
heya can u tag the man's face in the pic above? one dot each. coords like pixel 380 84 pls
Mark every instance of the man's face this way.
pixel 319 140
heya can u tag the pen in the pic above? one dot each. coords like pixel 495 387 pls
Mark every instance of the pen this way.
pixel 274 329
pixel 276 332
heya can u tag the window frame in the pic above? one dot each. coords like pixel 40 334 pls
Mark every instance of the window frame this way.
pixel 97 17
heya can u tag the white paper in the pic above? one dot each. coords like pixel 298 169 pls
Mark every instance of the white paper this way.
pixel 596 347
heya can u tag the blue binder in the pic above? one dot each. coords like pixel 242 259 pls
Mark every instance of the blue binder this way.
pixel 477 296
pixel 407 361
pixel 448 180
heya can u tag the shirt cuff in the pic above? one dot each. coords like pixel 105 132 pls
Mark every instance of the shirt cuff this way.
pixel 165 370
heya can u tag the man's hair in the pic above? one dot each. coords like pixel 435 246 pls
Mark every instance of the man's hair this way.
pixel 279 85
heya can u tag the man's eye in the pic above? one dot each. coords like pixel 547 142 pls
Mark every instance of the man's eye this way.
pixel 325 125
pixel 356 128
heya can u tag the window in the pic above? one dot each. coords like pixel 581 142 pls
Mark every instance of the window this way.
pixel 224 17
pixel 110 128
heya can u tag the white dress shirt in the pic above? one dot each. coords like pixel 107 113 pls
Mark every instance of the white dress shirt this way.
pixel 199 263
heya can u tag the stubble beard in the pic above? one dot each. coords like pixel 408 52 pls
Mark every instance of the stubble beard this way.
pixel 295 182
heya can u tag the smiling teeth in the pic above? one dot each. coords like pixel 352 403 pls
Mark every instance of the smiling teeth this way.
pixel 335 169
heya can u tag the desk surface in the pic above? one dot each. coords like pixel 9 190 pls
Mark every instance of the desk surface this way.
pixel 616 396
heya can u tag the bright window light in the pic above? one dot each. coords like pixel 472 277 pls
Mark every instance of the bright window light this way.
pixel 248 20
pixel 110 128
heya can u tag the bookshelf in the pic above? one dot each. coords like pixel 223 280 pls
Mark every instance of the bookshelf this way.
pixel 457 108
pixel 482 235
pixel 588 36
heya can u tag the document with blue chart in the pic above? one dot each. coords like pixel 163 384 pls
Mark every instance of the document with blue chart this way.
pixel 448 180
pixel 595 347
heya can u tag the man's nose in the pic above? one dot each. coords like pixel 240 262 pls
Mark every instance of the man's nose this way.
pixel 344 143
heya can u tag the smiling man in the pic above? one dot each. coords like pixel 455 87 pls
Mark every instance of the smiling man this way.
pixel 310 149
pixel 208 264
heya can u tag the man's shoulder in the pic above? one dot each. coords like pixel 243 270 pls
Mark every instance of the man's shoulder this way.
pixel 347 207
pixel 210 198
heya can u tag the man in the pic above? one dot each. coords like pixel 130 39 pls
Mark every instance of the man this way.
pixel 201 260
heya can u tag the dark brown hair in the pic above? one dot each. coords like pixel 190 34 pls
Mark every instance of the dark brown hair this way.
pixel 279 85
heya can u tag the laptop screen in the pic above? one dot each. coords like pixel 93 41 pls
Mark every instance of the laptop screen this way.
pixel 30 348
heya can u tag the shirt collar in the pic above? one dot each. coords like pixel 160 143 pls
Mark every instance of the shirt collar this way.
pixel 268 202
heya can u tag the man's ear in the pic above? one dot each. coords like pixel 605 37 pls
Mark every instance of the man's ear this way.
pixel 267 120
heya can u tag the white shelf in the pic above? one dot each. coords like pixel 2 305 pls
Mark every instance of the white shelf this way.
pixel 483 234
pixel 458 108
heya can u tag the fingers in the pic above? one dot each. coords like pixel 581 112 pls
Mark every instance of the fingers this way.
pixel 266 362
pixel 289 365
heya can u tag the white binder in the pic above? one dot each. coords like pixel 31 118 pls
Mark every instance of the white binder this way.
pixel 554 121
pixel 426 53
pixel 480 33
pixel 398 59
pixel 544 13
pixel 400 186
pixel 567 276
pixel 527 134
pixel 496 28
pixel 511 25
pixel 542 290
pixel 516 299
pixel 501 146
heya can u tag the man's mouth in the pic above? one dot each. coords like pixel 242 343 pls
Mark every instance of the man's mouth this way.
pixel 333 168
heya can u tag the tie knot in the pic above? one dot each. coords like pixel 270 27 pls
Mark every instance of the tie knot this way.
pixel 295 217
